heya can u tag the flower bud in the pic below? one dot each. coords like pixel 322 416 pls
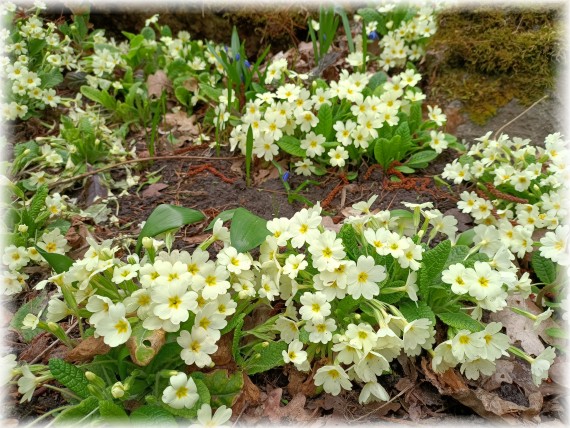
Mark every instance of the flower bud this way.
pixel 118 390
pixel 22 228
pixel 147 243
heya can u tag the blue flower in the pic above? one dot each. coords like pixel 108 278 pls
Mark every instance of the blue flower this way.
pixel 286 176
pixel 238 56
pixel 247 63
pixel 373 35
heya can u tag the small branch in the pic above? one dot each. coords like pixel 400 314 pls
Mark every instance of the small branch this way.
pixel 153 158
pixel 519 116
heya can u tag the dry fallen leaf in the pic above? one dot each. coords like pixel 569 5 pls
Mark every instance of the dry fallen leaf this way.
pixel 157 83
pixel 329 224
pixel 181 122
pixel 223 355
pixel 153 190
pixel 249 396
pixel 294 411
pixel 198 239
pixel 87 349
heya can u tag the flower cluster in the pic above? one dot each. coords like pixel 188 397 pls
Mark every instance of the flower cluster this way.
pixel 355 299
pixel 328 122
pixel 400 38
pixel 520 188
pixel 32 59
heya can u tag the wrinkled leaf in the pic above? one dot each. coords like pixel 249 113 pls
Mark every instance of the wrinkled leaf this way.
pixel 69 376
pixel 224 388
pixel 31 307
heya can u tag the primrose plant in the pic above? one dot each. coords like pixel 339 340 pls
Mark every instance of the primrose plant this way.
pixel 34 56
pixel 344 304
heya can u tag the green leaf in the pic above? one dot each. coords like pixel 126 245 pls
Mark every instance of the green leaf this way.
pixel 141 353
pixel 369 15
pixel 212 93
pixel 167 217
pixel 544 268
pixel 432 264
pixel 415 118
pixel 38 202
pixel 31 307
pixel 557 333
pixel 265 357
pixel 59 262
pixel 109 411
pixel 417 310
pixel 237 337
pixel 386 151
pixel 377 79
pixel 70 376
pixel 224 215
pixel 101 97
pixel 404 169
pixel 183 95
pixel 403 130
pixel 224 388
pixel 51 79
pixel 248 154
pixel 460 321
pixel 325 125
pixel 465 238
pixel 247 230
pixel 291 145
pixel 154 415
pixel 79 411
pixel 350 241
pixel 421 159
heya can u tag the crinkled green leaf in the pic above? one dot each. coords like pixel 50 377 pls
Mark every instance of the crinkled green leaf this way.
pixel 79 411
pixel 70 376
pixel 460 321
pixel 417 310
pixel 325 125
pixel 223 387
pixel 544 268
pixel 421 159
pixel 31 307
pixel 110 411
pixel 432 264
pixel 265 357
pixel 291 145
pixel 151 414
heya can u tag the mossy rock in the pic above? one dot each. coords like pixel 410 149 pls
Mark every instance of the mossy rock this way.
pixel 486 57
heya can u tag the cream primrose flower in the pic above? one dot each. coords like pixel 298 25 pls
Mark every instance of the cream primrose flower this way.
pixel 220 232
pixel 378 239
pixel 467 346
pixel 321 332
pixel 99 307
pixel 268 288
pixel 473 368
pixel 303 227
pixel 279 227
pixel 412 255
pixel 206 419
pixel 333 378
pixel 363 278
pixel 540 365
pixel 293 264
pixel 114 328
pixel 288 329
pixel 313 144
pixel 124 273
pixel 28 382
pixel 554 245
pixel 373 391
pixel 213 281
pixel 443 358
pixel 9 368
pixel 224 305
pixel 210 320
pixel 140 301
pixel 496 343
pixel 315 307
pixel 454 275
pixel 174 302
pixel 482 281
pixel 233 261
pixel 181 393
pixel 363 207
pixel 53 242
pixel 361 336
pixel 15 257
pixel 295 353
pixel 418 334
pixel 196 347
pixel 370 367
pixel 327 251
pixel 338 156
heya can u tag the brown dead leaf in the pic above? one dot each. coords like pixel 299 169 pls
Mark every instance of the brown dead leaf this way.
pixel 35 347
pixel 300 383
pixel 329 224
pixel 153 190
pixel 95 188
pixel 155 341
pixel 237 167
pixel 486 404
pixel 181 122
pixel 198 239
pixel 294 411
pixel 77 233
pixel 87 349
pixel 521 329
pixel 157 83
pixel 249 396
pixel 263 174
pixel 223 355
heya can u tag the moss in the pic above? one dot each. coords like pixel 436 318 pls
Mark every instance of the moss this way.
pixel 486 57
